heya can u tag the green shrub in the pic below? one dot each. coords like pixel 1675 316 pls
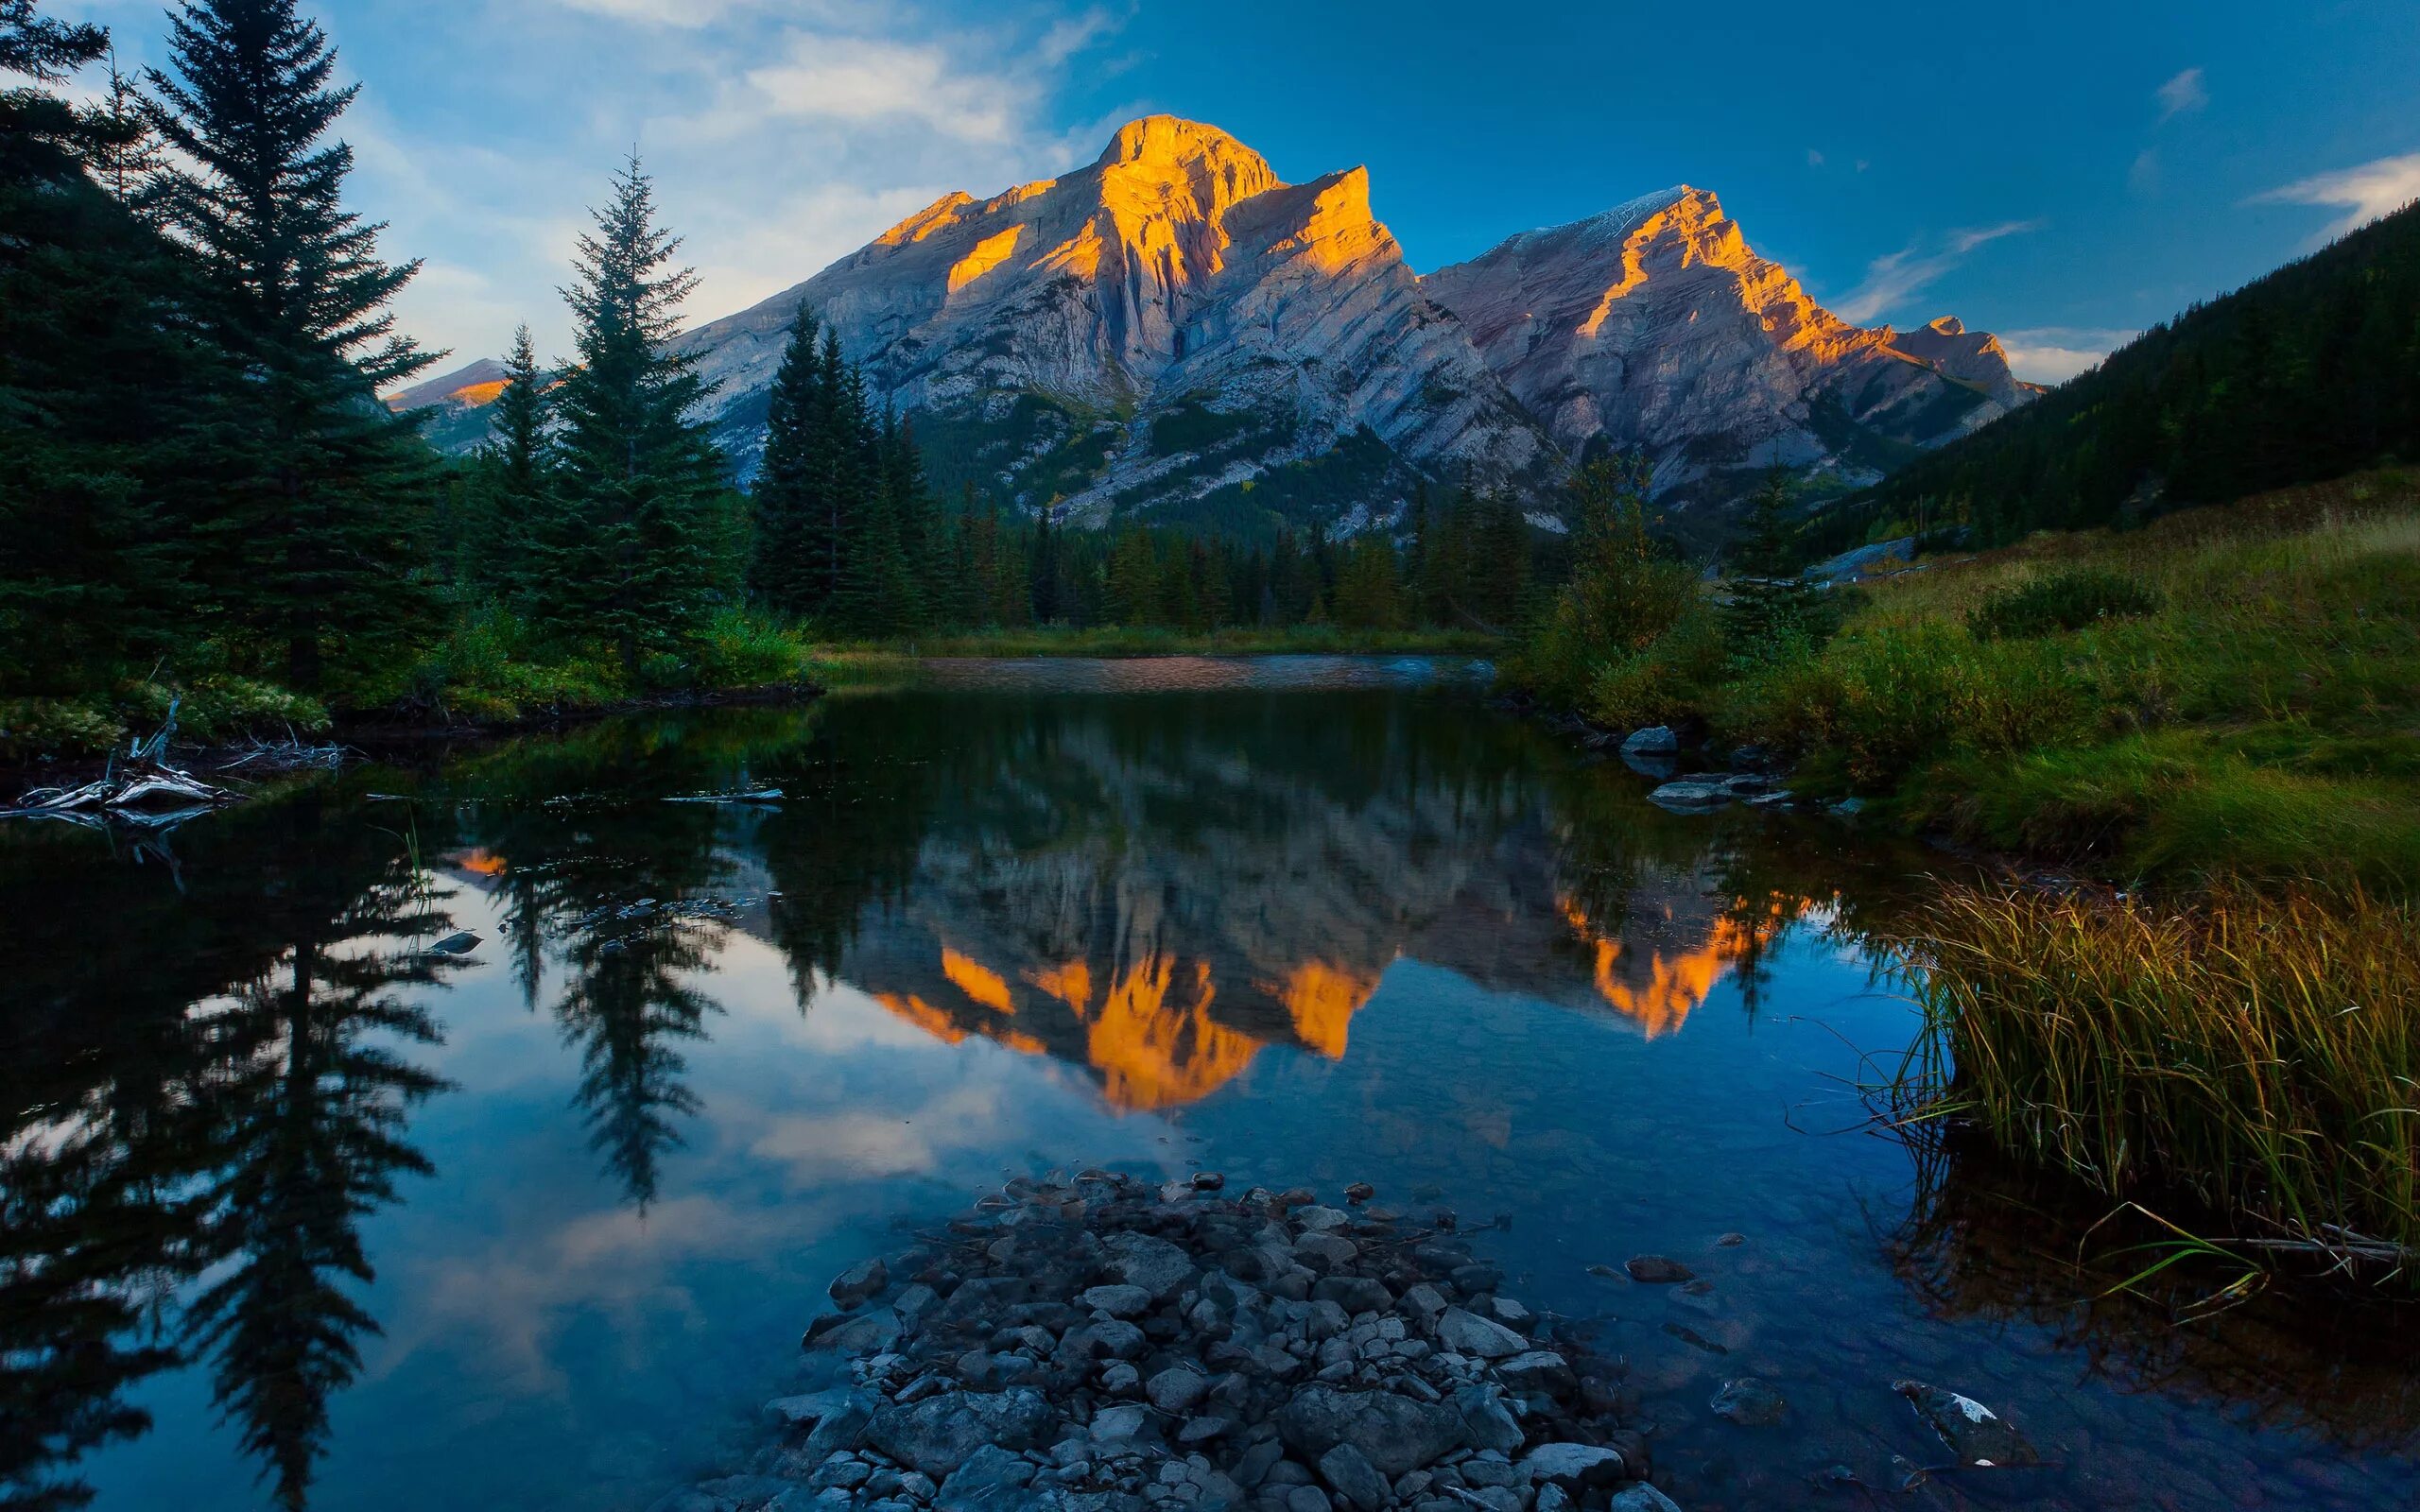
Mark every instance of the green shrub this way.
pixel 2067 600
pixel 31 728
pixel 1599 618
pixel 745 650
pixel 1667 680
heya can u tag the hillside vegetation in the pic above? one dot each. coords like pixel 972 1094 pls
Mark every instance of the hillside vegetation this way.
pixel 2307 374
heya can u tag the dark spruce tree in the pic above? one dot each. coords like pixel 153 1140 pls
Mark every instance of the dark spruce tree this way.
pixel 314 547
pixel 111 405
pixel 515 475
pixel 628 556
pixel 794 555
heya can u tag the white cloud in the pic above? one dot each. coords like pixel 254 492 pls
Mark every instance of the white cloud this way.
pixel 1814 159
pixel 2182 93
pixel 2367 191
pixel 2053 355
pixel 1893 279
pixel 2143 177
pixel 861 79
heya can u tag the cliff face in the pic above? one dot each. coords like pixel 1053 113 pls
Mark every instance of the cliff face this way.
pixel 1655 325
pixel 1175 334
pixel 1150 333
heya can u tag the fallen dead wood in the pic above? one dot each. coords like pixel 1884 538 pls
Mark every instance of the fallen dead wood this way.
pixel 142 789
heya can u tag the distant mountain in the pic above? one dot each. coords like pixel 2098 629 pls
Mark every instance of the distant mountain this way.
pixel 459 400
pixel 1654 325
pixel 1173 333
pixel 2307 374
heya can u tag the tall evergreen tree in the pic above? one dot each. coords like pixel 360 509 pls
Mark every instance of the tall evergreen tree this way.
pixel 628 552
pixel 107 395
pixel 518 471
pixel 318 536
pixel 791 555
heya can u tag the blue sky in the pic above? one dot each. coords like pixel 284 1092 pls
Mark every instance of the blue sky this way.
pixel 2063 174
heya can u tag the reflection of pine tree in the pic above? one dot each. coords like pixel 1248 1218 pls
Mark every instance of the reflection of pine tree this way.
pixel 86 1237
pixel 314 1108
pixel 627 1003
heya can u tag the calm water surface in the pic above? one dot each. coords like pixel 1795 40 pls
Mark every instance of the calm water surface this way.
pixel 294 1209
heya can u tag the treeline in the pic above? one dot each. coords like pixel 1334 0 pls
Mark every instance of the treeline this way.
pixel 848 536
pixel 202 496
pixel 2304 375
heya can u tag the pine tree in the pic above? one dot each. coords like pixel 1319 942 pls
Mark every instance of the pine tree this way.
pixel 518 475
pixel 1768 600
pixel 1368 596
pixel 319 535
pixel 113 407
pixel 789 564
pixel 628 557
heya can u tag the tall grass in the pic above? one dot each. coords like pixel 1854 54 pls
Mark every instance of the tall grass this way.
pixel 2261 1052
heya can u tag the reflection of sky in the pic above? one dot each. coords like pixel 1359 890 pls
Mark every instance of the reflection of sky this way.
pixel 547 1345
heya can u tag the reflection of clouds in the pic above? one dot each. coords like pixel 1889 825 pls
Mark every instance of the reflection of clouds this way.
pixel 806 1117
pixel 858 1143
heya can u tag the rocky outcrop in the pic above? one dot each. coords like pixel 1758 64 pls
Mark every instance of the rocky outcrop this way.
pixel 1654 325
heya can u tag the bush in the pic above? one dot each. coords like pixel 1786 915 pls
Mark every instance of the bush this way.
pixel 1601 618
pixel 2067 600
pixel 1665 681
pixel 31 728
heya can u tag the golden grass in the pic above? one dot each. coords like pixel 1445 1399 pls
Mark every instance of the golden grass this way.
pixel 2260 1052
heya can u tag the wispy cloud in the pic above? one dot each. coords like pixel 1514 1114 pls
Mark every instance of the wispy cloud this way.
pixel 1814 159
pixel 2183 93
pixel 782 133
pixel 1898 276
pixel 2143 176
pixel 2053 355
pixel 2377 188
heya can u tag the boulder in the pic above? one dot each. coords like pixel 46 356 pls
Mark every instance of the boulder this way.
pixel 1684 796
pixel 866 1334
pixel 1973 1433
pixel 1655 1270
pixel 867 1278
pixel 1655 740
pixel 1538 1370
pixel 1156 1265
pixel 991 1479
pixel 1177 1389
pixel 1396 1434
pixel 1486 1422
pixel 1354 1294
pixel 1118 1300
pixel 1353 1478
pixel 1750 1403
pixel 941 1432
pixel 1641 1496
pixel 1573 1466
pixel 1466 1332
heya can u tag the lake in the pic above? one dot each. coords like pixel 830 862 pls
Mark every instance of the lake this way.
pixel 296 1206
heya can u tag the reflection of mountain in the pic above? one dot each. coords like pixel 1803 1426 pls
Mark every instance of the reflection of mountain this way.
pixel 1150 891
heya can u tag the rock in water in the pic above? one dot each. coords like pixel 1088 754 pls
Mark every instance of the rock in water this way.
pixel 1750 1403
pixel 1973 1433
pixel 1468 1333
pixel 1655 740
pixel 1573 1466
pixel 1641 1498
pixel 865 1278
pixel 1655 1270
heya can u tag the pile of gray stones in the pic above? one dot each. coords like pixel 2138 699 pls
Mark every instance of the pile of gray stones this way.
pixel 1111 1344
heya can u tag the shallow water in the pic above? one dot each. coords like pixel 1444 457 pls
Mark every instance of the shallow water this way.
pixel 539 1227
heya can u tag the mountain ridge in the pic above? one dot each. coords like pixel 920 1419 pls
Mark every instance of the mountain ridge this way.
pixel 1172 332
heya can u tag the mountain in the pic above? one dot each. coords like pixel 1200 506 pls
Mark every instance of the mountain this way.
pixel 1654 325
pixel 1175 334
pixel 459 400
pixel 1158 332
pixel 2306 374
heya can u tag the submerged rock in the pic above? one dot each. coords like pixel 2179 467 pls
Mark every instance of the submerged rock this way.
pixel 1750 1403
pixel 1656 1270
pixel 1973 1433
